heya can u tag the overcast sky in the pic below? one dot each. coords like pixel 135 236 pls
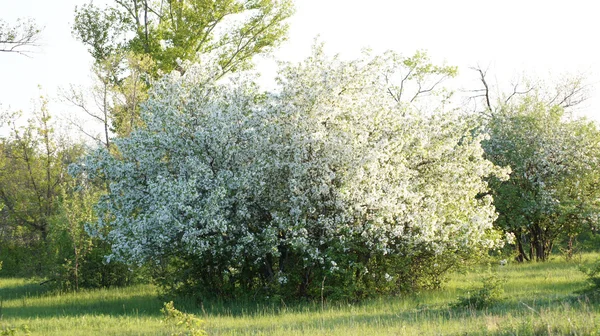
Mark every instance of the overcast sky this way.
pixel 511 37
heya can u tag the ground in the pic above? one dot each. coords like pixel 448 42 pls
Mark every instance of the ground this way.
pixel 539 299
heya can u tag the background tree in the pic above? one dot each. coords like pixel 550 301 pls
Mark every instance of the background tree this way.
pixel 114 107
pixel 44 209
pixel 33 169
pixel 553 188
pixel 78 259
pixel 153 37
pixel 21 38
pixel 172 30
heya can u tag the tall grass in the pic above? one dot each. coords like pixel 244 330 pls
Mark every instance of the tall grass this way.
pixel 538 299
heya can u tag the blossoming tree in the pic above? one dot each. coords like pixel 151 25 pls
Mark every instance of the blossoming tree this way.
pixel 552 191
pixel 351 178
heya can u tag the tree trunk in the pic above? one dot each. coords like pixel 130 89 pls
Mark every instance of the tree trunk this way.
pixel 570 248
pixel 522 256
pixel 306 278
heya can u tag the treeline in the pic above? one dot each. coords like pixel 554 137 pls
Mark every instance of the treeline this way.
pixel 351 179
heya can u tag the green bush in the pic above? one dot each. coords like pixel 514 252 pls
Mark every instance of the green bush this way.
pixel 13 331
pixel 488 295
pixel 24 258
pixel 184 324
pixel 593 277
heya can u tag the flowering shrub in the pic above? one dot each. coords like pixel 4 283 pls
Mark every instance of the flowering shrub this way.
pixel 335 183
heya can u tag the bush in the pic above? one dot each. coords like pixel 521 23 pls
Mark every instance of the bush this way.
pixel 489 294
pixel 329 186
pixel 23 258
pixel 185 324
pixel 593 277
pixel 13 331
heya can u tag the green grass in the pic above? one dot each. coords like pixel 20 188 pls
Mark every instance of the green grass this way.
pixel 539 299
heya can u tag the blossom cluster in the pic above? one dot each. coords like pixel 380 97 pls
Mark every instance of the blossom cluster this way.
pixel 330 172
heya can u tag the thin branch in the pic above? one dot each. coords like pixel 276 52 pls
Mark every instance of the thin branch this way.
pixel 420 91
pixel 515 92
pixel 486 88
pixel 410 71
pixel 575 95
pixel 76 100
pixel 393 96
pixel 19 38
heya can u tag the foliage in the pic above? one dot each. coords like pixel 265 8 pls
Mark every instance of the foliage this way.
pixel 19 38
pixel 172 31
pixel 329 180
pixel 593 276
pixel 67 229
pixel 135 41
pixel 554 159
pixel 33 168
pixel 489 294
pixel 79 261
pixel 102 30
pixel 188 322
pixel 45 209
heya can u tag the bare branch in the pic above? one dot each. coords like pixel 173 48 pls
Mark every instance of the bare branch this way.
pixel 76 98
pixel 486 88
pixel 570 94
pixel 516 92
pixel 20 38
pixel 393 96
pixel 431 88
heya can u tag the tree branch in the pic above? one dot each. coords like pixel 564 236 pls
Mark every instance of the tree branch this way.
pixel 20 37
pixel 486 88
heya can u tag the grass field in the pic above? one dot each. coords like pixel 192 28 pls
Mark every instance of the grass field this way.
pixel 539 299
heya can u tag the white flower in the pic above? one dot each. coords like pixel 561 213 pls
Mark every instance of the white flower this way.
pixel 329 159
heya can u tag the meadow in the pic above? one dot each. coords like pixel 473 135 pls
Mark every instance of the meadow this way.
pixel 538 299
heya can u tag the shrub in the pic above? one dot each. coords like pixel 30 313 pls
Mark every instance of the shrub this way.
pixel 330 185
pixel 186 324
pixel 488 295
pixel 593 277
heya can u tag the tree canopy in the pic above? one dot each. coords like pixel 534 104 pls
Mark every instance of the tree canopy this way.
pixel 331 176
pixel 134 42
pixel 173 31
pixel 553 188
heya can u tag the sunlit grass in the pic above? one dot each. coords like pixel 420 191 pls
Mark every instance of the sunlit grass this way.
pixel 539 300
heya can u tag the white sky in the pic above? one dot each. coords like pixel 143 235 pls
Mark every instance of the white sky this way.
pixel 511 36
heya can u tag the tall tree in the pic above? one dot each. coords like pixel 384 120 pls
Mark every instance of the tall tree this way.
pixel 114 107
pixel 154 37
pixel 553 188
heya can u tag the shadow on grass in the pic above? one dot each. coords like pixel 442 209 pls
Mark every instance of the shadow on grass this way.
pixel 29 299
pixel 520 314
pixel 20 290
pixel 25 308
